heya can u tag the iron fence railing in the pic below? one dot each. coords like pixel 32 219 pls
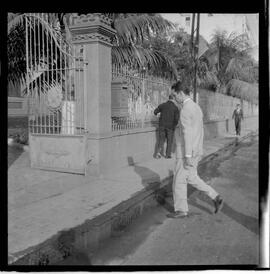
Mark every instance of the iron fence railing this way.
pixel 126 123
pixel 145 93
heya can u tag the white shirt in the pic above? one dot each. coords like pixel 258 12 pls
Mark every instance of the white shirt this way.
pixel 187 99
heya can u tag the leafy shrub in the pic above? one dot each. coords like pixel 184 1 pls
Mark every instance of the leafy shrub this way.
pixel 19 135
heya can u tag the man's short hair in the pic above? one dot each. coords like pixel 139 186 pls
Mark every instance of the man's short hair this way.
pixel 171 97
pixel 181 86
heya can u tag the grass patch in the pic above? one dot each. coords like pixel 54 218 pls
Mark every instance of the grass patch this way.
pixel 18 129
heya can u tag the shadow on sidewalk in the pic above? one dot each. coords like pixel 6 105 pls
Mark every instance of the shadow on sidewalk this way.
pixel 77 258
pixel 150 179
pixel 71 255
pixel 250 223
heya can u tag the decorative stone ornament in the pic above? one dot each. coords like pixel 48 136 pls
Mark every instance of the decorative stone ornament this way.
pixel 92 27
pixel 54 98
pixel 90 17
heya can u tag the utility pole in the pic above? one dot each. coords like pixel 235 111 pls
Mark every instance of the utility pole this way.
pixel 192 36
pixel 195 57
pixel 194 49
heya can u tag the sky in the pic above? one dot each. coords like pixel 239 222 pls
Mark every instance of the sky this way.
pixel 173 17
pixel 229 22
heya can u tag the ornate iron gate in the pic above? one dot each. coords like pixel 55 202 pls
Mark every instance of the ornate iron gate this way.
pixel 55 79
pixel 57 97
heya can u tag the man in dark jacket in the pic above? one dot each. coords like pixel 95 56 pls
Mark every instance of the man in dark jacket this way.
pixel 169 116
pixel 238 116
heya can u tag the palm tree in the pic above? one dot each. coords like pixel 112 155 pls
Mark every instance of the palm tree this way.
pixel 132 31
pixel 229 60
pixel 228 57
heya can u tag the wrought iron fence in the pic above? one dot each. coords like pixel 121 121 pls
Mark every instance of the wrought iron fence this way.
pixel 55 79
pixel 144 94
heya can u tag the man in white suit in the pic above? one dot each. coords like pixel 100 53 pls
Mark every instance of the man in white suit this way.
pixel 189 149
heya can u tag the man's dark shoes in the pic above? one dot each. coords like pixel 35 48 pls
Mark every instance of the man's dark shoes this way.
pixel 168 157
pixel 177 214
pixel 218 203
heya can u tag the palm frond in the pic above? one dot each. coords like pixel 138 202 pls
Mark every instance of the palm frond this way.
pixel 243 90
pixel 232 36
pixel 17 42
pixel 232 66
pixel 211 55
pixel 138 27
pixel 15 20
pixel 218 37
pixel 130 54
pixel 139 57
pixel 132 44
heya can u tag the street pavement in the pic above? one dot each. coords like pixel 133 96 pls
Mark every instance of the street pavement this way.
pixel 43 203
pixel 230 237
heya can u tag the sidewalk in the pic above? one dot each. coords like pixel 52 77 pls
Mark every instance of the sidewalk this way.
pixel 43 204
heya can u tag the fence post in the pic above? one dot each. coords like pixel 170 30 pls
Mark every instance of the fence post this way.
pixel 143 101
pixel 143 91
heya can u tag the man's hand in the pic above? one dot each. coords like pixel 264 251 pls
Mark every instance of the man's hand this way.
pixel 187 162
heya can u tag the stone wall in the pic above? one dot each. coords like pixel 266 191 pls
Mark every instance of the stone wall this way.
pixel 17 107
pixel 120 149
pixel 217 106
pixel 215 128
pixel 14 90
pixel 139 144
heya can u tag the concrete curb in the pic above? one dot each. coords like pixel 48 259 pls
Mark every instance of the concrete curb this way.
pixel 88 236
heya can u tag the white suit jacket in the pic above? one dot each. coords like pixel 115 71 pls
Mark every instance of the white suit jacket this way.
pixel 189 132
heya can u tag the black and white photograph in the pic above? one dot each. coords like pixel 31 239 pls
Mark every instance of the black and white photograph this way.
pixel 133 140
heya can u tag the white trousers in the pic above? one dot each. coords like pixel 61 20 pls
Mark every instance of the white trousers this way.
pixel 183 176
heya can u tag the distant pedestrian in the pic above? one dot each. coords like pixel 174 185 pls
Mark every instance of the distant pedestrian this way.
pixel 238 116
pixel 189 149
pixel 169 116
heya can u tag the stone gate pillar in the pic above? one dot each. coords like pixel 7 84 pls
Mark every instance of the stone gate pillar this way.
pixel 94 32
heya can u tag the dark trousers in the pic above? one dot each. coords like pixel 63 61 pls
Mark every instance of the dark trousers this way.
pixel 165 134
pixel 237 126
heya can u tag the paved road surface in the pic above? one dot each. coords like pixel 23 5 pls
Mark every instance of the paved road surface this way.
pixel 230 237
